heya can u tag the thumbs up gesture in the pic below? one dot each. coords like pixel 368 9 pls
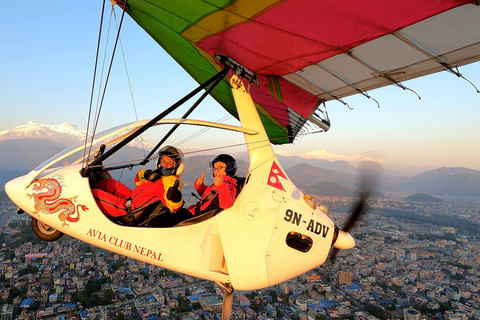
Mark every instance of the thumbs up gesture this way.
pixel 199 181
pixel 173 194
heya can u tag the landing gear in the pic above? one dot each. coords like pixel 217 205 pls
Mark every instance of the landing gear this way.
pixel 227 300
pixel 44 232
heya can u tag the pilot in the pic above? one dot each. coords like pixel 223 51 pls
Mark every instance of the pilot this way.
pixel 221 194
pixel 162 184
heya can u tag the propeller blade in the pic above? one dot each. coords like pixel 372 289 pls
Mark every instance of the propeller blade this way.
pixel 370 174
pixel 357 212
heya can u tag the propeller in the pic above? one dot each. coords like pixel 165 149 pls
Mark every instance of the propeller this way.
pixel 341 239
pixel 358 210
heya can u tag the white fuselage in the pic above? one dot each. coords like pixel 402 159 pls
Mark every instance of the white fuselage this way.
pixel 245 245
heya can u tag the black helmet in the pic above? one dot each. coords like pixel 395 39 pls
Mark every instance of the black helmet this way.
pixel 176 156
pixel 229 161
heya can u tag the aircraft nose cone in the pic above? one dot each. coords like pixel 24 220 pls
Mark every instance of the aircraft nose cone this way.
pixel 15 191
pixel 344 240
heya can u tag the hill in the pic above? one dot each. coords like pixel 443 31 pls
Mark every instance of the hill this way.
pixel 25 154
pixel 330 189
pixel 305 175
pixel 446 182
pixel 423 197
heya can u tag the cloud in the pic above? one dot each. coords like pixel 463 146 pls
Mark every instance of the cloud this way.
pixel 323 154
pixel 283 153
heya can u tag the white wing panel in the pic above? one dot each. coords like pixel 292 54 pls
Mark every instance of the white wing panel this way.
pixel 388 53
pixel 448 31
pixel 441 42
pixel 347 67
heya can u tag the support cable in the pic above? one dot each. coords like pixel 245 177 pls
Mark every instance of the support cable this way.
pixel 93 81
pixel 131 163
pixel 108 73
pixel 152 122
pixel 189 111
pixel 203 130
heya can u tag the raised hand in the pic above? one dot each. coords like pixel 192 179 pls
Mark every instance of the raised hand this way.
pixel 199 181
pixel 173 194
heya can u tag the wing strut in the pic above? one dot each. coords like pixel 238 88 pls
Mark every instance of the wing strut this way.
pixel 189 111
pixel 381 73
pixel 325 90
pixel 152 122
pixel 445 66
pixel 350 84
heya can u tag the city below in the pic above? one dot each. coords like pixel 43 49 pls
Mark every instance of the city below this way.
pixel 413 260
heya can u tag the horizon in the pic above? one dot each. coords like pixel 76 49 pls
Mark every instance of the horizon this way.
pixel 402 169
pixel 48 79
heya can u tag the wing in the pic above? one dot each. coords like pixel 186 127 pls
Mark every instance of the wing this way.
pixel 306 52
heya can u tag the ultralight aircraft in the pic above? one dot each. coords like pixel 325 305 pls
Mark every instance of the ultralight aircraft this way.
pixel 273 65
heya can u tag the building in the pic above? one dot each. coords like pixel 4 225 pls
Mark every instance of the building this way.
pixel 170 282
pixel 7 312
pixel 345 277
pixel 314 278
pixel 243 300
pixel 210 303
pixel 412 256
pixel 411 314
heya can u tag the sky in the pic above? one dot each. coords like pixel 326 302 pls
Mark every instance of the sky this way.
pixel 47 58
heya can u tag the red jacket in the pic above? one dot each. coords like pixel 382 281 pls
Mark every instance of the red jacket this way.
pixel 111 195
pixel 149 192
pixel 215 197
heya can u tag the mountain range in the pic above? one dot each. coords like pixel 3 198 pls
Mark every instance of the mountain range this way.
pixel 25 147
pixel 442 182
pixel 65 133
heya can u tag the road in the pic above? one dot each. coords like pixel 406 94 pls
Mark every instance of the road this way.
pixel 4 216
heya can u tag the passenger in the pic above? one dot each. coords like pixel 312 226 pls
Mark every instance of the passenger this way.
pixel 221 194
pixel 162 184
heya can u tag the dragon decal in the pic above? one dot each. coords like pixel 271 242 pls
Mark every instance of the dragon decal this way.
pixel 46 195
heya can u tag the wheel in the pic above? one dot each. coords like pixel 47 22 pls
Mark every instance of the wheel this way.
pixel 44 232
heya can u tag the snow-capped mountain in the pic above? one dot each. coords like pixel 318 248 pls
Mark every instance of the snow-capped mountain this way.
pixel 25 147
pixel 65 133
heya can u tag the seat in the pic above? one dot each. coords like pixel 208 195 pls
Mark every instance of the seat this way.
pixel 240 183
pixel 209 214
pixel 142 216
